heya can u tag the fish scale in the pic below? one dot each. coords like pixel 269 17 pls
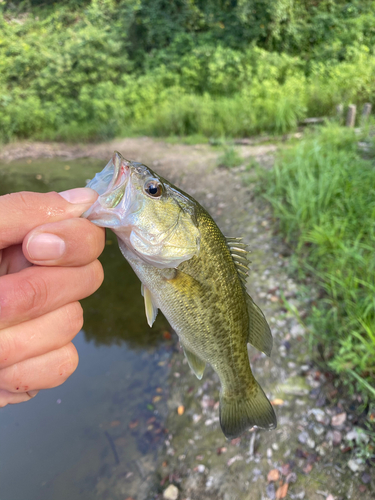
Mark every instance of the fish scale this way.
pixel 195 276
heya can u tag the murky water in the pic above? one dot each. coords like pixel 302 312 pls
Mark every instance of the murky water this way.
pixel 107 420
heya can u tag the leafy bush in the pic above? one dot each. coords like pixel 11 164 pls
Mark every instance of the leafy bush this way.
pixel 98 68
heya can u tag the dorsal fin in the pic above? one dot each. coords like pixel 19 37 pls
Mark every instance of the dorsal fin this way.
pixel 259 332
pixel 239 253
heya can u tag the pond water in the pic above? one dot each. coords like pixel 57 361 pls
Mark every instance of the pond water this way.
pixel 68 442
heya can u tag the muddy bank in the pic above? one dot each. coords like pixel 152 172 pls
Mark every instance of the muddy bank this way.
pixel 310 454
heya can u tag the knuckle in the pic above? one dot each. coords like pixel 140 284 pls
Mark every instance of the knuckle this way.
pixel 95 276
pixel 70 361
pixel 99 274
pixel 12 378
pixel 33 292
pixel 7 347
pixel 74 317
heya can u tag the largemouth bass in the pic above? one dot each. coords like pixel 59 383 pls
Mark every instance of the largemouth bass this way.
pixel 195 276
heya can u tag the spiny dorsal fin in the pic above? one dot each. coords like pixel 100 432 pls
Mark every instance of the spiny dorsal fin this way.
pixel 195 363
pixel 150 308
pixel 240 255
pixel 260 335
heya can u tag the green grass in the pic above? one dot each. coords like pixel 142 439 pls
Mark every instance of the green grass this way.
pixel 323 194
pixel 230 157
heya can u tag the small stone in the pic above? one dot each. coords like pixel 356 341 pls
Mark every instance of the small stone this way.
pixel 275 446
pixel 299 496
pixel 303 437
pixel 273 475
pixel 196 418
pixel 270 491
pixel 282 491
pixel 318 414
pixel 358 435
pixel 318 430
pixel 338 419
pixel 171 493
pixel 321 450
pixel 282 350
pixel 336 438
pixel 366 478
pixel 234 459
pixel 355 464
pixel 310 443
pixel 181 410
pixel 291 478
pixel 200 468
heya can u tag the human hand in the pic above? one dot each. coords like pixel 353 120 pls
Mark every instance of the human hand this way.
pixel 39 309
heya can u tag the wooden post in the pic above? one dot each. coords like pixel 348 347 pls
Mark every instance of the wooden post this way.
pixel 366 113
pixel 350 117
pixel 339 113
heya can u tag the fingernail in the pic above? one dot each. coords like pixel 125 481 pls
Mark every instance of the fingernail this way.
pixel 79 195
pixel 45 246
pixel 32 394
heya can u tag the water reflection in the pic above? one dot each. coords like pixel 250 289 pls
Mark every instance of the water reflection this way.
pixel 115 313
pixel 96 436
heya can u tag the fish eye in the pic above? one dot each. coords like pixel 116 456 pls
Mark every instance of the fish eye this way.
pixel 153 188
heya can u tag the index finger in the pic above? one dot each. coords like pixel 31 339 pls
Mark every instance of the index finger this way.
pixel 22 212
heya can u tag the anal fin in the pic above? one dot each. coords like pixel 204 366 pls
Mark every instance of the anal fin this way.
pixel 150 308
pixel 195 363
pixel 260 335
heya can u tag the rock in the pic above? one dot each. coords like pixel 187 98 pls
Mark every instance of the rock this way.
pixel 338 419
pixel 273 475
pixel 270 491
pixel 319 415
pixel 356 464
pixel 318 430
pixel 358 435
pixel 303 437
pixel 336 438
pixel 171 493
pixel 310 443
pixel 366 478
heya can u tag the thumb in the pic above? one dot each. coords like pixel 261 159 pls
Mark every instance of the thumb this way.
pixel 22 212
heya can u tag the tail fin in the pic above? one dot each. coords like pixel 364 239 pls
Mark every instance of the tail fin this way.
pixel 238 413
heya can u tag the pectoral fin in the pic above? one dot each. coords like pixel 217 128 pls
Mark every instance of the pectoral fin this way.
pixel 195 363
pixel 259 332
pixel 150 308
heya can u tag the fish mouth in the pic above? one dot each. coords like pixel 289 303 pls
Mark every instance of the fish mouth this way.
pixel 110 184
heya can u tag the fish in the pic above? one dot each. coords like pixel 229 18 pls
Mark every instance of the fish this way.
pixel 196 276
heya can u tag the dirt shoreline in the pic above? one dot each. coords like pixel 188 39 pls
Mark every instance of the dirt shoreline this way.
pixel 310 454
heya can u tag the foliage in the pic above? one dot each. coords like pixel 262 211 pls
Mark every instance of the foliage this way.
pixel 87 69
pixel 323 193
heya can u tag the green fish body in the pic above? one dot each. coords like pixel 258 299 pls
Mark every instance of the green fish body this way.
pixel 195 276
